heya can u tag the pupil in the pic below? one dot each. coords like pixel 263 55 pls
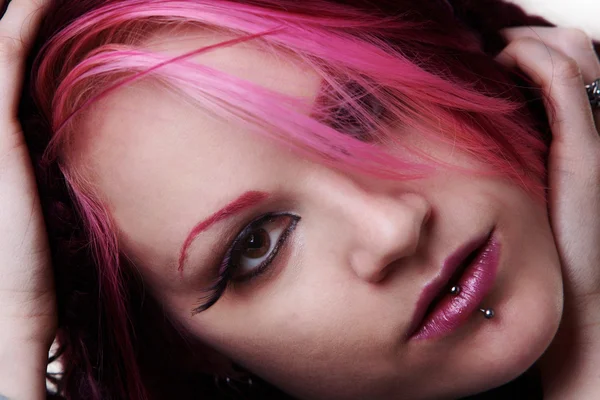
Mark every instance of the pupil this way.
pixel 257 244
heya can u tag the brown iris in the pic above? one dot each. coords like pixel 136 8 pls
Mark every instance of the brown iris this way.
pixel 257 244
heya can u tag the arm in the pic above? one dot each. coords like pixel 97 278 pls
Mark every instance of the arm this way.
pixel 22 368
pixel 27 300
pixel 561 62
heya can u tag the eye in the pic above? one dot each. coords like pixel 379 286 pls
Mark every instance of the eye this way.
pixel 252 253
pixel 345 117
pixel 256 246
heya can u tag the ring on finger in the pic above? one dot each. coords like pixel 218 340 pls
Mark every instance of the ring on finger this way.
pixel 593 91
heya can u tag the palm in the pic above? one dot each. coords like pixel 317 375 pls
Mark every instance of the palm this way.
pixel 561 61
pixel 26 284
pixel 27 300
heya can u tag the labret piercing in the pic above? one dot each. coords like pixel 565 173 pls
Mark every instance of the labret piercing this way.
pixel 488 313
pixel 455 290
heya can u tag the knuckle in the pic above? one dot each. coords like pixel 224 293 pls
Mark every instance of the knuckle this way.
pixel 523 45
pixel 524 42
pixel 12 139
pixel 518 46
pixel 11 49
pixel 567 68
pixel 575 37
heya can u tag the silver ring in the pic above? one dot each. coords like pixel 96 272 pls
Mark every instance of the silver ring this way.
pixel 593 91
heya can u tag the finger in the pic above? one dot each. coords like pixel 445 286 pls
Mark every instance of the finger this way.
pixel 573 161
pixel 18 27
pixel 22 19
pixel 574 43
pixel 561 80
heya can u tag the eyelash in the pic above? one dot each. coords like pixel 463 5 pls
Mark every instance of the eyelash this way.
pixel 345 120
pixel 230 261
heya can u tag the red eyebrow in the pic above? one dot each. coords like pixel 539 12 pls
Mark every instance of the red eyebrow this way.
pixel 246 200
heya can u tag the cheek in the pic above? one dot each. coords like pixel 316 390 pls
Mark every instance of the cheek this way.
pixel 536 284
pixel 313 332
pixel 528 299
pixel 310 330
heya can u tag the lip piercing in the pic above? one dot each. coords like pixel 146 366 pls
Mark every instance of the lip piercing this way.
pixel 488 313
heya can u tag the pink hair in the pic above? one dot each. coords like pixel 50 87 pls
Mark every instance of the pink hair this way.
pixel 383 74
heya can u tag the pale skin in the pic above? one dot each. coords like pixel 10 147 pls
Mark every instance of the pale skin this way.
pixel 362 244
pixel 375 242
pixel 27 301
pixel 563 65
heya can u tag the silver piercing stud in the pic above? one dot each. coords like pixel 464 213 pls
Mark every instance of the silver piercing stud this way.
pixel 488 313
pixel 455 290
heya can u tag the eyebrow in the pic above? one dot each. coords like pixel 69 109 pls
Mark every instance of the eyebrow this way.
pixel 248 199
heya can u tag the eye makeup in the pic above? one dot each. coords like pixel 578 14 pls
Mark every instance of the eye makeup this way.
pixel 246 200
pixel 253 242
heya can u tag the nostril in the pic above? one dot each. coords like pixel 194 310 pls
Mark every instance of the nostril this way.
pixel 427 216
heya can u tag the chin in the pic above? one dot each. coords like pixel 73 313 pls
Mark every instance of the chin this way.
pixel 507 349
pixel 529 306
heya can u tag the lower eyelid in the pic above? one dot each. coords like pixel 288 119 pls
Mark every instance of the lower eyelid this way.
pixel 279 263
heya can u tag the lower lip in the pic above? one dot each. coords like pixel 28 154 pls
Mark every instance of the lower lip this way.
pixel 475 283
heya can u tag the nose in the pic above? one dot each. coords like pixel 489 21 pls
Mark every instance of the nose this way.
pixel 388 230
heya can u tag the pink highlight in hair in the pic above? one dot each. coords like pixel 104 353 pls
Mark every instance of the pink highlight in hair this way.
pixel 430 97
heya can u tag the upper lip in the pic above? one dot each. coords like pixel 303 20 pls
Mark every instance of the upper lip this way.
pixel 441 280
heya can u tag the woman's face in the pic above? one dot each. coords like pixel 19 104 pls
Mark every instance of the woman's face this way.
pixel 330 316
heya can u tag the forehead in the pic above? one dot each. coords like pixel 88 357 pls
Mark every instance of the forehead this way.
pixel 254 60
pixel 161 164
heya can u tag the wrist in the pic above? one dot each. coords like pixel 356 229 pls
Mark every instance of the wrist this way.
pixel 23 364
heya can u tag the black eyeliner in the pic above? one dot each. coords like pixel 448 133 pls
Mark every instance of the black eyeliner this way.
pixel 263 266
pixel 215 291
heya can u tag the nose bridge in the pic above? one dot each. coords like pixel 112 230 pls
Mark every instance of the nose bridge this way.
pixel 379 226
pixel 392 230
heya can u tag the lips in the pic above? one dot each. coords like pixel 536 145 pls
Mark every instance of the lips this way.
pixel 455 277
pixel 451 270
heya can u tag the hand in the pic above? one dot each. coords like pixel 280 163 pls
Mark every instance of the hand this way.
pixel 27 299
pixel 562 61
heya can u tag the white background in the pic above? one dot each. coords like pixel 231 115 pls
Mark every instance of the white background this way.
pixel 584 14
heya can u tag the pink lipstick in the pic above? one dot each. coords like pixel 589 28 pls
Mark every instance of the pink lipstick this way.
pixel 473 267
